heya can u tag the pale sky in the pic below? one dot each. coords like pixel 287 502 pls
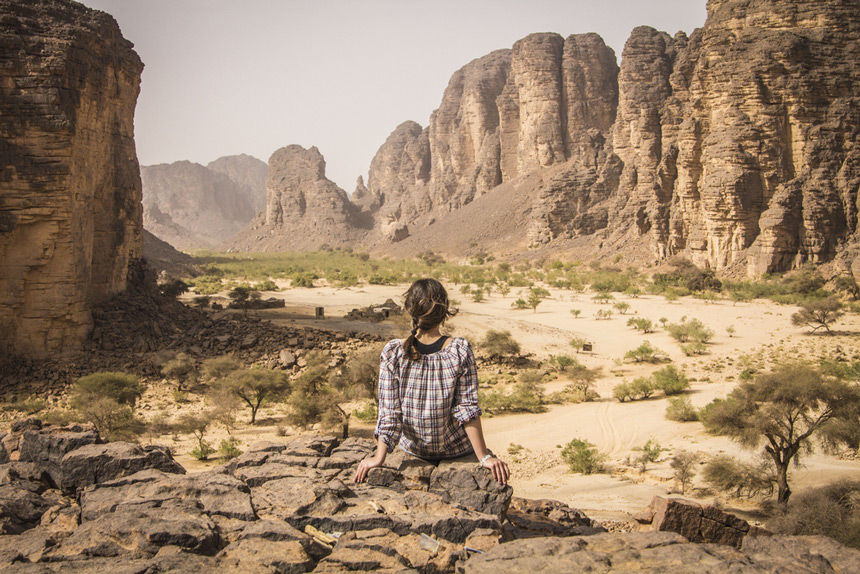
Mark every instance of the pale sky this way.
pixel 225 77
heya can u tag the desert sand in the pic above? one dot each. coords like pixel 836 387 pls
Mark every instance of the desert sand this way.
pixel 763 335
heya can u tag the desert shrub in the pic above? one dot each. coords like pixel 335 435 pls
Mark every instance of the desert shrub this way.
pixel 622 307
pixel 207 285
pixel 690 330
pixel 682 410
pixel 500 344
pixel 648 452
pixel 520 303
pixel 575 312
pixel 741 479
pixel 478 296
pixel 267 285
pixel 562 362
pixel 583 457
pixel 525 397
pixel 571 394
pixel 683 465
pixel 641 324
pixel 832 510
pixel 690 349
pixel 219 367
pixel 123 388
pixel 202 301
pixel 645 353
pixel 302 279
pixel 623 392
pixel 670 380
pixel 229 449
pixel 603 314
pixel 643 387
pixel 603 298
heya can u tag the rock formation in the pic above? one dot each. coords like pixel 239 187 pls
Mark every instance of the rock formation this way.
pixel 192 206
pixel 304 209
pixel 72 503
pixel 70 191
pixel 734 147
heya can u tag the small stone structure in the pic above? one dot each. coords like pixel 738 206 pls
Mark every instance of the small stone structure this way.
pixel 375 313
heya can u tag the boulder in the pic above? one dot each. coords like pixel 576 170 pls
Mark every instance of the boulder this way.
pixel 694 521
pixel 96 463
pixel 46 447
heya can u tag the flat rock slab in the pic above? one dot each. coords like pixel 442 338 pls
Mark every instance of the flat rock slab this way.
pixel 219 494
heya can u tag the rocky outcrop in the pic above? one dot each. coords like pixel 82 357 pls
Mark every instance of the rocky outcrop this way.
pixel 696 522
pixel 191 206
pixel 291 507
pixel 70 191
pixel 304 209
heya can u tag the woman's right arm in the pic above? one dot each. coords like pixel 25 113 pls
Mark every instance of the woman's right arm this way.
pixel 389 424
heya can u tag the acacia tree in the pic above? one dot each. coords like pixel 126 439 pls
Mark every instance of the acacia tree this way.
pixel 818 314
pixel 783 409
pixel 254 386
pixel 317 395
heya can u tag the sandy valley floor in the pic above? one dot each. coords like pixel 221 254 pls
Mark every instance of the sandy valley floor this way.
pixel 763 335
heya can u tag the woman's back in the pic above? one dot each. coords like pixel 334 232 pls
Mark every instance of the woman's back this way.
pixel 435 395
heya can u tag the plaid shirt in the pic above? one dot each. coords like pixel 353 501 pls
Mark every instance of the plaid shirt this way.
pixel 423 404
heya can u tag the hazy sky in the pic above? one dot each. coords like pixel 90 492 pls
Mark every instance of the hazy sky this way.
pixel 225 77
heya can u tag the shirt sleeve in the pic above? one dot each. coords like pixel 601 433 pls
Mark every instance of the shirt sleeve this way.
pixel 389 425
pixel 466 394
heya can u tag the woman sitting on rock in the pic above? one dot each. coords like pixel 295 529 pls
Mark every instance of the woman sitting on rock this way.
pixel 428 391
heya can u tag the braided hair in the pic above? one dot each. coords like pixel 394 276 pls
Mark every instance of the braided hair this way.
pixel 427 304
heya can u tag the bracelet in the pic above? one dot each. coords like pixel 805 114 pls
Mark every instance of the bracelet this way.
pixel 485 457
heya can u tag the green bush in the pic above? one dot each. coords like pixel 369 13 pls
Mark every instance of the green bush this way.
pixel 648 452
pixel 645 353
pixel 670 380
pixel 682 410
pixel 367 413
pixel 582 456
pixel 228 449
pixel 219 367
pixel 690 330
pixel 642 387
pixel 29 406
pixel 520 303
pixel 267 285
pixel 623 392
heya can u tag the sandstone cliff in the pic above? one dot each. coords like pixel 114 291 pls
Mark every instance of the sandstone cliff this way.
pixel 70 191
pixel 192 206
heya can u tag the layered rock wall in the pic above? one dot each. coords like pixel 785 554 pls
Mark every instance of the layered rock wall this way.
pixel 70 191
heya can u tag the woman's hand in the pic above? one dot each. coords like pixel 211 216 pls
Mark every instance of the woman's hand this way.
pixel 365 465
pixel 499 469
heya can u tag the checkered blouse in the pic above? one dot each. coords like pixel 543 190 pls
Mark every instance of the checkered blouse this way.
pixel 423 404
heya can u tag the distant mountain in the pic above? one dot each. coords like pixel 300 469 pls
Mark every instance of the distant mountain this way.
pixel 192 206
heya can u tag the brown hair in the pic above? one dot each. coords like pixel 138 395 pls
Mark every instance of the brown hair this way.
pixel 427 303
